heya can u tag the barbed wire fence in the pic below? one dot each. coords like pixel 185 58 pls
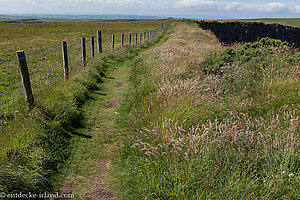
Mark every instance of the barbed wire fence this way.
pixel 31 74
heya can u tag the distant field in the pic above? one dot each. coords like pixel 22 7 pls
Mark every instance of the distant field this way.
pixel 5 19
pixel 284 21
pixel 31 37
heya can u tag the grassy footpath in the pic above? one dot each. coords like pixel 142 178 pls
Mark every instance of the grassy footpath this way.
pixel 57 126
pixel 99 138
pixel 209 122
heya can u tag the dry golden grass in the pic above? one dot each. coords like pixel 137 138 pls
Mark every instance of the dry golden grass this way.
pixel 174 67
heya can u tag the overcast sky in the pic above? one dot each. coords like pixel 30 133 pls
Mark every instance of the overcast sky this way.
pixel 179 8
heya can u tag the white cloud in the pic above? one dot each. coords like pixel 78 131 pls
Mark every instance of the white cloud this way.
pixel 104 1
pixel 295 9
pixel 231 6
pixel 157 7
pixel 33 2
pixel 191 3
pixel 270 7
pixel 236 6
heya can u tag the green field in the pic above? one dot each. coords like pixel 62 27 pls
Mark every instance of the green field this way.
pixel 180 116
pixel 284 21
pixel 41 139
pixel 44 18
pixel 32 37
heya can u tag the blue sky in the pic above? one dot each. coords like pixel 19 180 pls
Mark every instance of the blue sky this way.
pixel 179 8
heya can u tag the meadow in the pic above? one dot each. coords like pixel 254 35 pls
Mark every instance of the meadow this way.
pixel 32 37
pixel 211 122
pixel 199 120
pixel 36 143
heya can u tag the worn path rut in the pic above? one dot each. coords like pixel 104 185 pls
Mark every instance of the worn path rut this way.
pixel 99 139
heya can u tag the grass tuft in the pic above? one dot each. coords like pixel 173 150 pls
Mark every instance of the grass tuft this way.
pixel 209 122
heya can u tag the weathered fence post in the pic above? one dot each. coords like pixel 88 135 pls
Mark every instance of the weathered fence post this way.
pixel 99 42
pixel 25 79
pixel 140 38
pixel 136 39
pixel 93 46
pixel 144 36
pixel 113 42
pixel 83 51
pixel 122 39
pixel 129 39
pixel 65 60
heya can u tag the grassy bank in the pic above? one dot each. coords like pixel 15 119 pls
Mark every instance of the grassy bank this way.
pixel 44 138
pixel 211 123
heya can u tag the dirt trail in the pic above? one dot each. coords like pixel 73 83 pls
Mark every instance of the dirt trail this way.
pixel 99 191
pixel 99 140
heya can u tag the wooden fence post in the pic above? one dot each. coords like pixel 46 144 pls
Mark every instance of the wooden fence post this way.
pixel 99 42
pixel 25 79
pixel 113 42
pixel 65 60
pixel 140 38
pixel 93 46
pixel 136 39
pixel 144 36
pixel 83 51
pixel 122 39
pixel 129 38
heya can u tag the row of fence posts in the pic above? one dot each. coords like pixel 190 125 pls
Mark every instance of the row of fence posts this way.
pixel 24 68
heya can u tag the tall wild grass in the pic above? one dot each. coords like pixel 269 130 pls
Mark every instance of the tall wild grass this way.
pixel 209 122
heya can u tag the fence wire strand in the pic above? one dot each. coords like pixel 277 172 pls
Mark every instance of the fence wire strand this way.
pixel 46 69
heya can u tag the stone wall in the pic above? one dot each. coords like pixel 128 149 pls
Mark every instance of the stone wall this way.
pixel 231 32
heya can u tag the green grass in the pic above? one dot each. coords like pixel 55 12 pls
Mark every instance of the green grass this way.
pixel 39 142
pixel 100 123
pixel 45 66
pixel 201 121
pixel 209 122
pixel 32 37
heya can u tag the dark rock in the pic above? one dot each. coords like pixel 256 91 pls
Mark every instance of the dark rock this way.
pixel 231 32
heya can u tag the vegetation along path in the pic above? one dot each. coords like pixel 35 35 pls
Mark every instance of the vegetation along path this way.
pixel 198 121
pixel 99 139
pixel 86 174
